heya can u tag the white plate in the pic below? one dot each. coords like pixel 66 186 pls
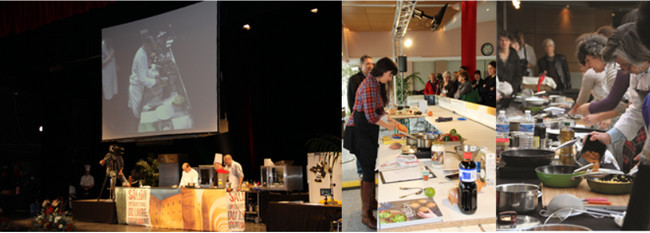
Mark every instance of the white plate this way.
pixel 164 112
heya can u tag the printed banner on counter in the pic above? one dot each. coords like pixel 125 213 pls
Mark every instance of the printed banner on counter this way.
pixel 137 207
pixel 236 211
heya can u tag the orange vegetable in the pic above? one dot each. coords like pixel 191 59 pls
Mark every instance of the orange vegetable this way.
pixel 402 128
pixel 430 113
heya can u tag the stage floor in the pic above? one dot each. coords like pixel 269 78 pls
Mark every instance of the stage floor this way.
pixel 25 224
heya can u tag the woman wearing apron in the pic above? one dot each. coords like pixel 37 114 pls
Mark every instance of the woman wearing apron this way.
pixel 362 131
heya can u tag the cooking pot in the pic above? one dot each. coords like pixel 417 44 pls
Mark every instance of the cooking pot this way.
pixel 558 176
pixel 412 141
pixel 559 227
pixel 424 140
pixel 598 186
pixel 521 197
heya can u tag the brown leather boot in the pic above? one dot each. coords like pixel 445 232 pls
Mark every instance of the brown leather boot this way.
pixel 373 198
pixel 367 195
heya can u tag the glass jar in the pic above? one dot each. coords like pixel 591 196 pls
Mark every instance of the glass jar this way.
pixel 438 153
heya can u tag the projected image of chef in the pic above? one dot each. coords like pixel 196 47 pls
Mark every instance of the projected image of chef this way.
pixel 157 95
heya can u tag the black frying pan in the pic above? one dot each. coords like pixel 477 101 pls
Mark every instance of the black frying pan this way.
pixel 527 157
pixel 531 157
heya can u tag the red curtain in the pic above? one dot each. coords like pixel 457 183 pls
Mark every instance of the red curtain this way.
pixel 17 17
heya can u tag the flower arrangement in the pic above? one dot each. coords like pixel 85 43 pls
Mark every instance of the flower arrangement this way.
pixel 53 217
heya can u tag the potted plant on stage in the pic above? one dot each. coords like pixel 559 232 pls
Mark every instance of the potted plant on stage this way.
pixel 146 172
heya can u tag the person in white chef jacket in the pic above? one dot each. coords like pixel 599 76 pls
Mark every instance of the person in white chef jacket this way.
pixel 143 74
pixel 236 174
pixel 189 176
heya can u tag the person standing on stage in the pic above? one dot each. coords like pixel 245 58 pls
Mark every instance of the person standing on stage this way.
pixel 236 174
pixel 190 177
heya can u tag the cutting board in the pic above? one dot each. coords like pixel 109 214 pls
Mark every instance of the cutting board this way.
pixel 583 191
pixel 405 116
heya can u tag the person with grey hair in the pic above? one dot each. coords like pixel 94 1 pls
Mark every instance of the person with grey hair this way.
pixel 625 47
pixel 447 86
pixel 597 80
pixel 555 66
pixel 638 214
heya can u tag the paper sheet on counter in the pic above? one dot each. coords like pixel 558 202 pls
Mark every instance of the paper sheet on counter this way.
pixel 401 174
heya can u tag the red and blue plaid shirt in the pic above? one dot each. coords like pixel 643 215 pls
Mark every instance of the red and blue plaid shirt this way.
pixel 368 101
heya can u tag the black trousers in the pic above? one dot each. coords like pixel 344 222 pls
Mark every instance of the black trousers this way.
pixel 638 209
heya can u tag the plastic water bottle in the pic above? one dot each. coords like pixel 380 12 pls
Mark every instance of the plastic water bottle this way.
pixel 527 128
pixel 503 126
pixel 467 196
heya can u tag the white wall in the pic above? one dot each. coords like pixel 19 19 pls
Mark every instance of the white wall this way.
pixel 314 187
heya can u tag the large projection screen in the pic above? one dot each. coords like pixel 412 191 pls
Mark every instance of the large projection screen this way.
pixel 159 75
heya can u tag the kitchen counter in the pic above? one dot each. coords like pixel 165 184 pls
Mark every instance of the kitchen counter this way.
pixel 619 203
pixel 477 134
pixel 451 215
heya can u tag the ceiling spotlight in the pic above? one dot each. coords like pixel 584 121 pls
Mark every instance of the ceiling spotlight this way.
pixel 418 13
pixel 567 6
pixel 315 10
pixel 487 9
pixel 408 43
pixel 432 21
pixel 247 27
pixel 40 128
pixel 516 4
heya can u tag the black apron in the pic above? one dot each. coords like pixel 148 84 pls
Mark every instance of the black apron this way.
pixel 361 140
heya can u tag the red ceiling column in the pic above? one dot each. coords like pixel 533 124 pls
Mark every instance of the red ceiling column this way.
pixel 468 36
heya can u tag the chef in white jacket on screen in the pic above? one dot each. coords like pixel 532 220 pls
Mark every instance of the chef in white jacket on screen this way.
pixel 143 74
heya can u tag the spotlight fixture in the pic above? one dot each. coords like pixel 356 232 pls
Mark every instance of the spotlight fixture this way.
pixel 516 4
pixel 315 10
pixel 247 27
pixel 433 20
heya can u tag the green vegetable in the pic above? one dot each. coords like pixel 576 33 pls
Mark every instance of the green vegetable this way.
pixel 384 214
pixel 398 218
pixel 453 132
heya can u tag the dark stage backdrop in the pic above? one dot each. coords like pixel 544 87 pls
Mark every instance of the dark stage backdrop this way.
pixel 280 87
